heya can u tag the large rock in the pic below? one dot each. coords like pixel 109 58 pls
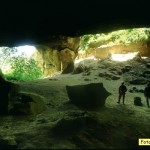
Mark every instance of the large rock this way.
pixel 7 91
pixel 57 55
pixel 91 95
pixel 27 104
pixel 48 59
pixel 103 52
pixel 67 57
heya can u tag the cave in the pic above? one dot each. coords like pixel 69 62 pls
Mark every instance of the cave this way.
pixel 74 105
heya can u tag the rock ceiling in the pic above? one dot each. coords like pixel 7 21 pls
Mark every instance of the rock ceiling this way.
pixel 37 21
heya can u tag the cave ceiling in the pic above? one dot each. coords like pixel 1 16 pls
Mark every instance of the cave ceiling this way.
pixel 36 22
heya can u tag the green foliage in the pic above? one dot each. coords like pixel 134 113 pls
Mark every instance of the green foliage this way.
pixel 121 37
pixel 21 67
pixel 5 55
pixel 24 69
pixel 85 40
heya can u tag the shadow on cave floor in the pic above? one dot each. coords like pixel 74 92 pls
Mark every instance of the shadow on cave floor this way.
pixel 108 128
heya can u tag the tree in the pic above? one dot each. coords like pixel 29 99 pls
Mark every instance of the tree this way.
pixel 5 55
pixel 24 69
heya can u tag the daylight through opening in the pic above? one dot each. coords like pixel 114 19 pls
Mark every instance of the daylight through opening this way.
pixel 18 63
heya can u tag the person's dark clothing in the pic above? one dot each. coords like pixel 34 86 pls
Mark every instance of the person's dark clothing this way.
pixel 147 93
pixel 122 92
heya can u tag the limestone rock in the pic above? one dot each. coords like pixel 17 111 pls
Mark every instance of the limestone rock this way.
pixel 57 55
pixel 27 104
pixel 67 57
pixel 48 59
pixel 91 95
pixel 69 68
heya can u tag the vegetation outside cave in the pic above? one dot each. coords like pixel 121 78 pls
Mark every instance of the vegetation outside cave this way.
pixel 18 67
pixel 121 37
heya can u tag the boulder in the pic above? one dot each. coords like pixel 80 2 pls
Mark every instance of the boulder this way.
pixel 81 68
pixel 8 142
pixel 7 91
pixel 27 104
pixel 91 95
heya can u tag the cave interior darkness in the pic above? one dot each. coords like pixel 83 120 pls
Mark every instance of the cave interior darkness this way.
pixel 35 22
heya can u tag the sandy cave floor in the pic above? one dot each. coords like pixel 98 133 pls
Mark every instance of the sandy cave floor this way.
pixel 129 122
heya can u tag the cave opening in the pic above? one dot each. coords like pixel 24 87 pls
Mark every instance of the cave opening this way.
pixel 118 45
pixel 17 63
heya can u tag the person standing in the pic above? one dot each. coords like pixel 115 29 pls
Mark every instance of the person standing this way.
pixel 147 93
pixel 122 92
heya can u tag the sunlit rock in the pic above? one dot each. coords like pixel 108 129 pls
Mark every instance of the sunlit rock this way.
pixel 57 55
pixel 48 59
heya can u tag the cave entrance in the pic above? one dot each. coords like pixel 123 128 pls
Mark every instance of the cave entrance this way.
pixel 18 63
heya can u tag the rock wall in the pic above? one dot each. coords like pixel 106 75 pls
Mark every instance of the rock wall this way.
pixel 60 53
pixel 57 54
pixel 103 52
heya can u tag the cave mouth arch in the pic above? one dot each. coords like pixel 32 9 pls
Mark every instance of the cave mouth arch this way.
pixel 100 45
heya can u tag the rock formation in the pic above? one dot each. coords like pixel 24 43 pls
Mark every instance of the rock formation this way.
pixel 57 55
pixel 91 95
pixel 27 104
